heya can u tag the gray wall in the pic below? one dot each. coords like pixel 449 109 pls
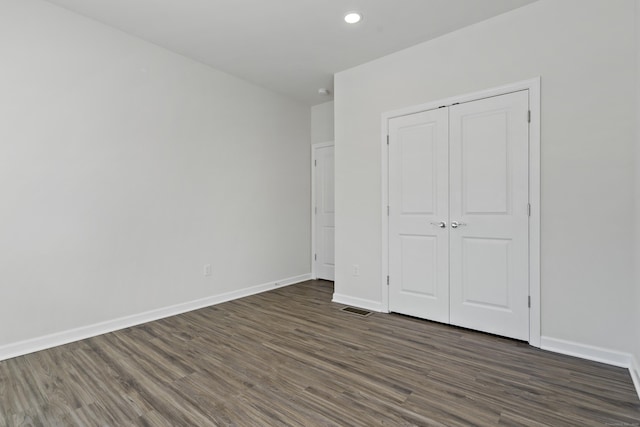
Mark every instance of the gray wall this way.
pixel 322 122
pixel 637 198
pixel 584 52
pixel 125 168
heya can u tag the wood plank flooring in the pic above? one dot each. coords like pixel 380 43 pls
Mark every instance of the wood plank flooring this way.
pixel 291 357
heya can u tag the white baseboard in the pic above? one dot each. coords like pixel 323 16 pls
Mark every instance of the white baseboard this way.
pixel 60 338
pixel 584 351
pixel 634 369
pixel 358 302
pixel 597 354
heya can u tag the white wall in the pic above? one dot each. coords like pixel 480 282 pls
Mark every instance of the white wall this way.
pixel 584 52
pixel 125 168
pixel 322 122
pixel 637 197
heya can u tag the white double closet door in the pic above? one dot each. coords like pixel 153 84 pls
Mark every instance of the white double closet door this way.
pixel 459 215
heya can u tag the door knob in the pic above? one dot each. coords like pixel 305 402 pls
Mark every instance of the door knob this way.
pixel 456 224
pixel 440 224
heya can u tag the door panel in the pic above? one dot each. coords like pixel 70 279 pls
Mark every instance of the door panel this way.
pixel 327 170
pixel 324 212
pixel 418 200
pixel 328 247
pixel 419 259
pixel 418 149
pixel 486 177
pixel 489 257
pixel 485 264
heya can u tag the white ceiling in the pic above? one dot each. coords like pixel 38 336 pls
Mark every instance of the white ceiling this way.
pixel 290 46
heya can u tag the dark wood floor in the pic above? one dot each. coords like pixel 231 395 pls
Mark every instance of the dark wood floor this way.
pixel 291 357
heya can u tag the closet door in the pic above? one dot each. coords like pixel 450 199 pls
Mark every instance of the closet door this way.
pixel 489 275
pixel 418 200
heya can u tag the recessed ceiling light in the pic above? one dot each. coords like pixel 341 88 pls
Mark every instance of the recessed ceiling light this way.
pixel 352 18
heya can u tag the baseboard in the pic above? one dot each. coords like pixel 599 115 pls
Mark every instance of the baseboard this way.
pixel 358 302
pixel 634 369
pixel 65 337
pixel 597 354
pixel 583 351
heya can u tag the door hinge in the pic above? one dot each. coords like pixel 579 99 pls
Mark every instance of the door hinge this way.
pixel 387 280
pixel 316 210
pixel 388 210
pixel 529 301
pixel 529 116
pixel 315 257
pixel 387 139
pixel 529 209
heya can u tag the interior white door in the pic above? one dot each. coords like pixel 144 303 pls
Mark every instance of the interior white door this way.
pixel 459 215
pixel 418 215
pixel 489 199
pixel 324 210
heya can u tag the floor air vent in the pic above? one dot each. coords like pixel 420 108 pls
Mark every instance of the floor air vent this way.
pixel 358 311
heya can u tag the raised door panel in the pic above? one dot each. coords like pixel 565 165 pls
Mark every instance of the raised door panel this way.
pixel 485 268
pixel 327 192
pixel 419 260
pixel 485 177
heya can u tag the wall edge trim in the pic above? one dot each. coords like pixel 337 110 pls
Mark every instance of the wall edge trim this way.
pixel 596 354
pixel 588 352
pixel 358 302
pixel 56 339
pixel 634 370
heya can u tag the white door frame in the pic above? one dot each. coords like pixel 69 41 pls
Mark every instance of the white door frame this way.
pixel 314 148
pixel 533 86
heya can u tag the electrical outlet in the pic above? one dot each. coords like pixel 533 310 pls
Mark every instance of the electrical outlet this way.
pixel 207 270
pixel 356 270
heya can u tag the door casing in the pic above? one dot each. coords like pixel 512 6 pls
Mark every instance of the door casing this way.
pixel 533 86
